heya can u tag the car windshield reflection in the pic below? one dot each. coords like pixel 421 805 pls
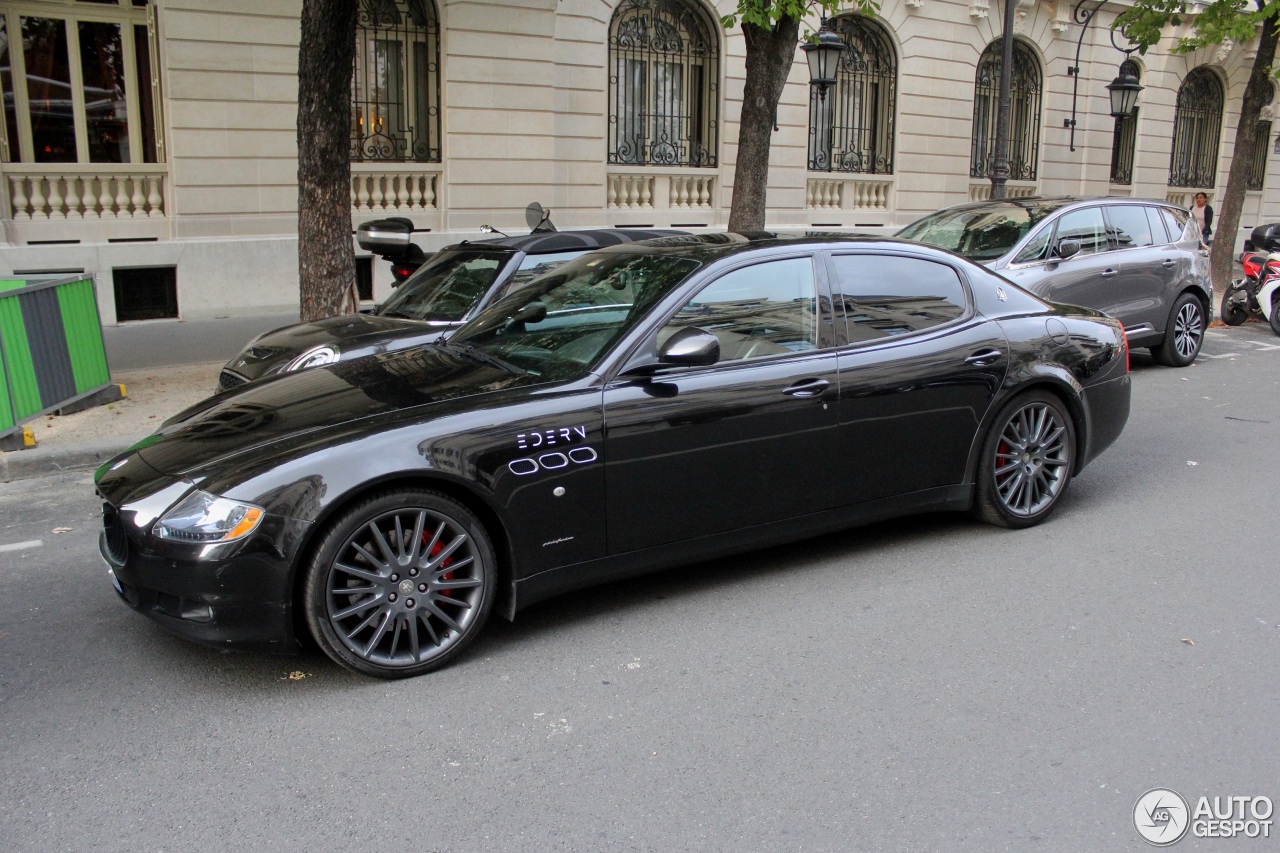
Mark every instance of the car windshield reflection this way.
pixel 557 326
pixel 446 287
pixel 980 233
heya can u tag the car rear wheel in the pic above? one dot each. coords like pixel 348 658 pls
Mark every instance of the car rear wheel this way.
pixel 1026 461
pixel 400 584
pixel 1183 334
pixel 1275 312
pixel 1235 305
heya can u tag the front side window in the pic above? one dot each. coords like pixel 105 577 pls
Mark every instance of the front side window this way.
pixel 1197 127
pixel 1086 226
pixel 49 54
pixel 761 310
pixel 851 125
pixel 885 296
pixel 1024 113
pixel 664 71
pixel 395 89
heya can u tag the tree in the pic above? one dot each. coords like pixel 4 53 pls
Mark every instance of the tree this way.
pixel 326 260
pixel 771 30
pixel 1219 20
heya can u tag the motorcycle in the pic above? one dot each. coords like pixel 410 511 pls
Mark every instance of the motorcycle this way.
pixel 1258 292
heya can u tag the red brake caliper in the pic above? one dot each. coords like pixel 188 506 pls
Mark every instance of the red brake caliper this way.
pixel 447 576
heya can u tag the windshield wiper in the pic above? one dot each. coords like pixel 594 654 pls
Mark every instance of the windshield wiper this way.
pixel 400 314
pixel 475 354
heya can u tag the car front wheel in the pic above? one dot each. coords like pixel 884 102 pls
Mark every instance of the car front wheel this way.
pixel 1183 334
pixel 1026 461
pixel 400 584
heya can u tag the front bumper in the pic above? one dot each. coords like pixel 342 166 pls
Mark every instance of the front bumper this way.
pixel 240 599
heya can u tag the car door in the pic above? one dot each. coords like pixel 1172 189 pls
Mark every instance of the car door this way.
pixel 1147 266
pixel 1085 278
pixel 920 370
pixel 695 451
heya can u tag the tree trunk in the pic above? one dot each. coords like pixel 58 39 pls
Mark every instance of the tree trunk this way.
pixel 770 53
pixel 1226 222
pixel 326 261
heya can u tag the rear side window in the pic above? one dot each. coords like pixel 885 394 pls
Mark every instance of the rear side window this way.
pixel 1086 226
pixel 1129 226
pixel 1176 222
pixel 1159 232
pixel 884 296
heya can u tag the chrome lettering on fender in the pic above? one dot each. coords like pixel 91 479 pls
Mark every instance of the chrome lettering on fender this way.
pixel 554 461
pixel 550 437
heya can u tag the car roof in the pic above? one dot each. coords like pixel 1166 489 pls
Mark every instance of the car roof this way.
pixel 1053 203
pixel 585 240
pixel 709 247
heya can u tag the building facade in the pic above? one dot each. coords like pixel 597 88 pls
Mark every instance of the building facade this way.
pixel 153 142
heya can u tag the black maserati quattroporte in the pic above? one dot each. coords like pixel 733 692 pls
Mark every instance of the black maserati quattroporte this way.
pixel 647 405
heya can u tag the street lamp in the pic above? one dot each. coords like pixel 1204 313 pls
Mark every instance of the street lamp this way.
pixel 1124 94
pixel 823 55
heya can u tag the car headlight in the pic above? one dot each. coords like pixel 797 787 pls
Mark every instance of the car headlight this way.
pixel 202 517
pixel 315 357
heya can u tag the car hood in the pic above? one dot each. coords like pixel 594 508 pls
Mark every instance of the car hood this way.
pixel 356 334
pixel 338 397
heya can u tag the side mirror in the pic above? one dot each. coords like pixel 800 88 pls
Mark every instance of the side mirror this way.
pixel 1068 248
pixel 690 346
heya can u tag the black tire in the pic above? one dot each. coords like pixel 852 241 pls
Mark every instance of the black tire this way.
pixel 1183 334
pixel 1275 312
pixel 400 584
pixel 1026 462
pixel 1234 313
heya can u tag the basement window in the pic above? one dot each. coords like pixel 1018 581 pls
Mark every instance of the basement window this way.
pixel 146 293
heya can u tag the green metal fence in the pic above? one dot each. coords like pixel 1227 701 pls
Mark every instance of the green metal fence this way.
pixel 51 350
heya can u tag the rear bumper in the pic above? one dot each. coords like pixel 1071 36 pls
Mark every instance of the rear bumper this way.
pixel 1107 404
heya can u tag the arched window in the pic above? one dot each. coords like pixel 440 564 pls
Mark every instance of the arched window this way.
pixel 1261 146
pixel 1125 136
pixel 664 68
pixel 851 128
pixel 1197 127
pixel 1024 113
pixel 395 90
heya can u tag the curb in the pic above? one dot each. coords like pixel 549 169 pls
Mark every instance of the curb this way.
pixel 38 462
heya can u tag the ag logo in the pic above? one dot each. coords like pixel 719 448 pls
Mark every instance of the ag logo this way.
pixel 1161 817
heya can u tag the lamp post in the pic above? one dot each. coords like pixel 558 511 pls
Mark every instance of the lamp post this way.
pixel 1124 89
pixel 823 56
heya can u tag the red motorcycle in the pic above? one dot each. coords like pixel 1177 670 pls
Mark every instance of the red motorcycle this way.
pixel 1258 292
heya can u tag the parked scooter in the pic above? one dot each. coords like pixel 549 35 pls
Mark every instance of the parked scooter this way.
pixel 1259 291
pixel 392 238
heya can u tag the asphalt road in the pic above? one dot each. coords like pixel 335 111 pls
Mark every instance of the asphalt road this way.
pixel 928 684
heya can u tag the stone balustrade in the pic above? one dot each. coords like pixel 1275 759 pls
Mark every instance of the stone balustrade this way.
pixel 48 191
pixel 656 191
pixel 852 193
pixel 1186 197
pixel 981 190
pixel 386 188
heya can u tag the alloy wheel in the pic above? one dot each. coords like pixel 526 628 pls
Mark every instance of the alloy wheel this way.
pixel 1032 459
pixel 1188 330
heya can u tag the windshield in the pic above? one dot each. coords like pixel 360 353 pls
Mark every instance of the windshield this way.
pixel 979 233
pixel 447 286
pixel 558 325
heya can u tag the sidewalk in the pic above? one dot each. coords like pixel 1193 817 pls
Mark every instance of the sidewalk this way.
pixel 86 439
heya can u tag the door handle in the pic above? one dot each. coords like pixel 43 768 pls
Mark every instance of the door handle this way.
pixel 808 388
pixel 1167 262
pixel 1107 273
pixel 982 358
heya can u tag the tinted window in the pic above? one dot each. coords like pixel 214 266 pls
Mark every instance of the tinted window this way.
pixel 1130 226
pixel 761 310
pixel 1176 222
pixel 1159 233
pixel 885 295
pixel 533 266
pixel 1087 227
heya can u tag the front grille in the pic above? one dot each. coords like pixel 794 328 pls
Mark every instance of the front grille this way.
pixel 115 541
pixel 228 380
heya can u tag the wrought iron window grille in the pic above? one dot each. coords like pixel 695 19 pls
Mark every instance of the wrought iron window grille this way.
pixel 395 86
pixel 852 128
pixel 1026 89
pixel 1197 129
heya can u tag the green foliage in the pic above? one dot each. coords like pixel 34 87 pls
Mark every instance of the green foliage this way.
pixel 1218 21
pixel 766 13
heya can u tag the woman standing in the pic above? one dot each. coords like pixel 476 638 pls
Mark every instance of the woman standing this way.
pixel 1204 217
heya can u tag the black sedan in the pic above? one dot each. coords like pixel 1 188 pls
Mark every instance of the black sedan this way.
pixel 640 407
pixel 454 285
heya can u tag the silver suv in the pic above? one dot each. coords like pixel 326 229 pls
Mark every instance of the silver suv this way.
pixel 1139 261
